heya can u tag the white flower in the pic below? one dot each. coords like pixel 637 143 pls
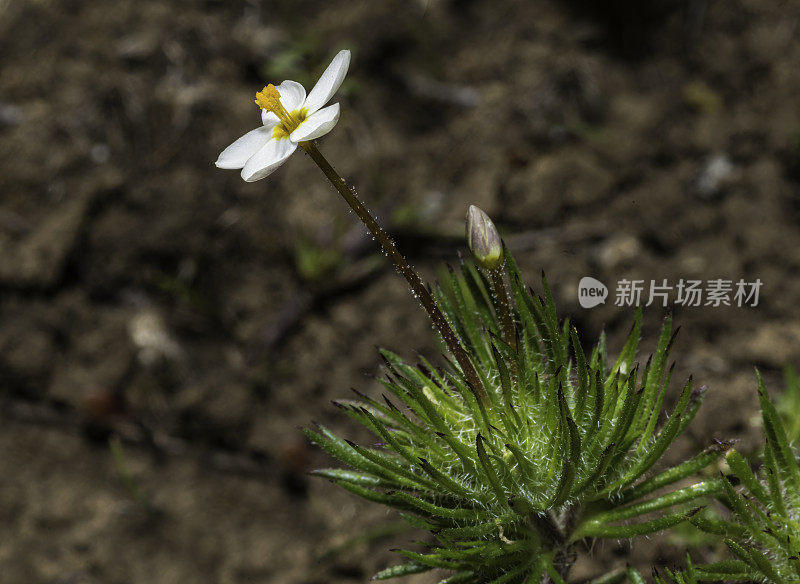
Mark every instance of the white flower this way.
pixel 289 117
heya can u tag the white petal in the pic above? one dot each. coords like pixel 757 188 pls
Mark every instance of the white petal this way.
pixel 237 154
pixel 268 159
pixel 329 82
pixel 317 124
pixel 292 95
pixel 269 119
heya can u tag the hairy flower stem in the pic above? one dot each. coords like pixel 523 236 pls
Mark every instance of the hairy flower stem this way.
pixel 411 276
pixel 509 332
pixel 506 320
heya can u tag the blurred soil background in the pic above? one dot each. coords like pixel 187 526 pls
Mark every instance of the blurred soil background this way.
pixel 165 328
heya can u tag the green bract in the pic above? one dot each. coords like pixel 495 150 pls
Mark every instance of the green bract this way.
pixel 556 453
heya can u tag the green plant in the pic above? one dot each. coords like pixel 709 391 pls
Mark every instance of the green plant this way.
pixel 688 576
pixel 788 404
pixel 523 448
pixel 555 455
pixel 723 571
pixel 763 530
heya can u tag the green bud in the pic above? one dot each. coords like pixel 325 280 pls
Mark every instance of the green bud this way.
pixel 483 239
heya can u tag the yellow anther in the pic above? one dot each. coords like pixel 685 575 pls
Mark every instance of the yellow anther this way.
pixel 269 99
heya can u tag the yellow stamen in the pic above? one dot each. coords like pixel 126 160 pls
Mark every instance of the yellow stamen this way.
pixel 298 117
pixel 269 99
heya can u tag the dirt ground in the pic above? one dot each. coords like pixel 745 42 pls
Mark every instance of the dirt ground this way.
pixel 153 302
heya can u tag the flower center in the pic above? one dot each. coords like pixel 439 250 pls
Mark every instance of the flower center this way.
pixel 269 99
pixel 282 131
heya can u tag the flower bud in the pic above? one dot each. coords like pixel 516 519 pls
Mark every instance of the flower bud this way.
pixel 483 239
